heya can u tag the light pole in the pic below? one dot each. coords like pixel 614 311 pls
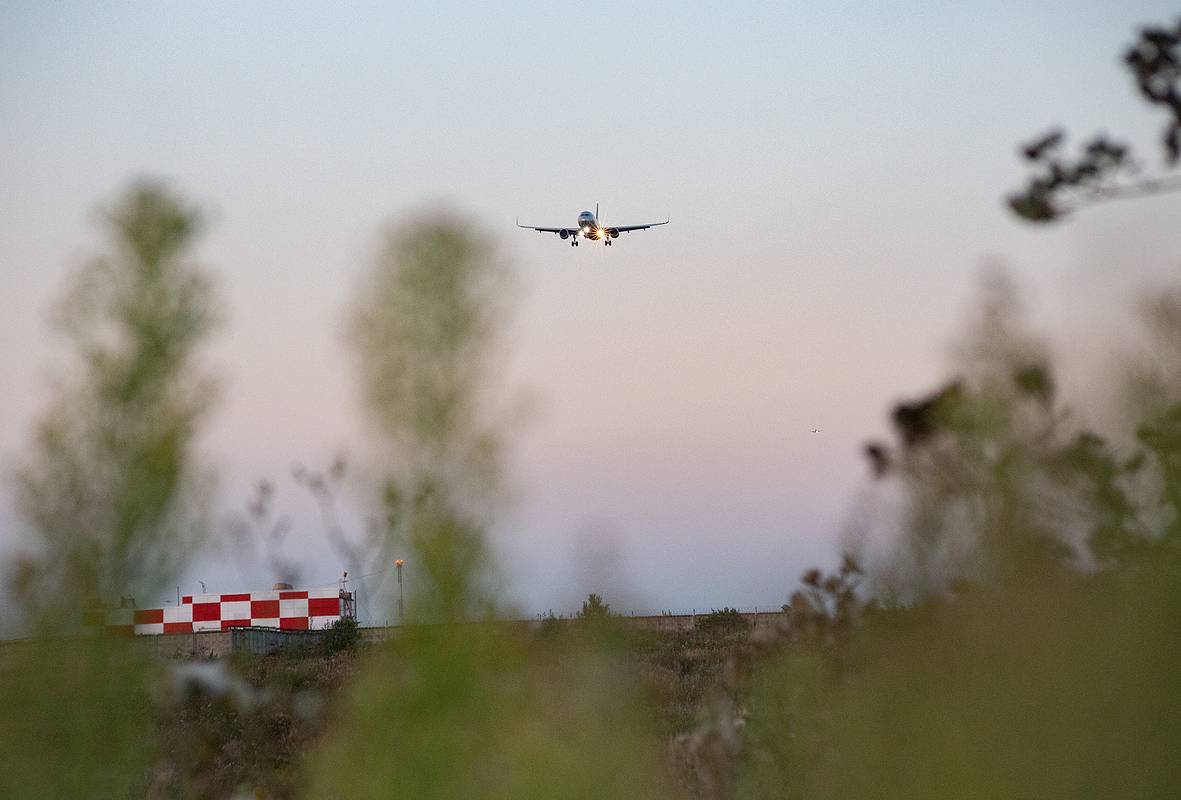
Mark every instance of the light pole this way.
pixel 401 608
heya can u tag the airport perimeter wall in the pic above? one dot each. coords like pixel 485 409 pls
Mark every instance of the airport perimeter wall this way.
pixel 665 623
pixel 217 644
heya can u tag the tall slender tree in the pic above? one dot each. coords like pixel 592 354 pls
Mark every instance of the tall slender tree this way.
pixel 112 493
pixel 425 330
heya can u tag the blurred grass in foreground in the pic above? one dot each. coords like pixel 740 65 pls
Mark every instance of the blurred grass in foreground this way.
pixel 75 720
pixel 1067 688
pixel 477 711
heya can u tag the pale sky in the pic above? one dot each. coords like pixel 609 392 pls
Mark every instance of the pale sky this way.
pixel 834 173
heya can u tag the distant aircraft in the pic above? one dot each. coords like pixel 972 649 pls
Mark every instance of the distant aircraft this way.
pixel 589 227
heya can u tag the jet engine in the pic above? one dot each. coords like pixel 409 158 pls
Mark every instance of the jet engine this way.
pixel 613 233
pixel 564 234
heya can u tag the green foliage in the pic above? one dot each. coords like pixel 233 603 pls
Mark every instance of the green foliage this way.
pixel 684 669
pixel 473 711
pixel 550 625
pixel 112 492
pixel 593 607
pixel 247 731
pixel 424 329
pixel 1155 62
pixel 73 717
pixel 722 622
pixel 341 635
pixel 1162 438
pixel 114 499
pixel 1153 374
pixel 458 709
pixel 1037 566
pixel 1064 183
pixel 1063 689
pixel 1032 655
pixel 826 609
pixel 1105 169
pixel 1000 484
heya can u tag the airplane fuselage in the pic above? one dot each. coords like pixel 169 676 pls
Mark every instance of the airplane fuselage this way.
pixel 590 228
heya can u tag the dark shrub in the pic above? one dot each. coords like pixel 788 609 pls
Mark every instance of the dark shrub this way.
pixel 341 635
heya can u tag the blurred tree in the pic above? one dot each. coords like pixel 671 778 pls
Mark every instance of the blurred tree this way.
pixel 458 709
pixel 593 607
pixel 1105 169
pixel 343 634
pixel 260 525
pixel 998 482
pixel 112 491
pixel 425 328
pixel 114 499
pixel 1023 651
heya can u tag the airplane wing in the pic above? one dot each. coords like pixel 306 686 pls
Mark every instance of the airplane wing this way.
pixel 568 231
pixel 626 228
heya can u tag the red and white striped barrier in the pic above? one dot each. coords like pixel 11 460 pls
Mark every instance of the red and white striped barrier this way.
pixel 289 609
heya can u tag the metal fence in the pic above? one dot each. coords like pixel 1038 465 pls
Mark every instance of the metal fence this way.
pixel 701 611
pixel 264 641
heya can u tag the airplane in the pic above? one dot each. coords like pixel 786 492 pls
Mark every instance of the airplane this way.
pixel 589 227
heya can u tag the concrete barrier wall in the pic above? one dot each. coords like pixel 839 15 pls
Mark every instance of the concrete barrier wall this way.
pixel 211 644
pixel 217 644
pixel 758 620
pixel 665 623
pixel 204 644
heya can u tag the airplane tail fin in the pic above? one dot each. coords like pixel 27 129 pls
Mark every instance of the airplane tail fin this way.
pixel 597 214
